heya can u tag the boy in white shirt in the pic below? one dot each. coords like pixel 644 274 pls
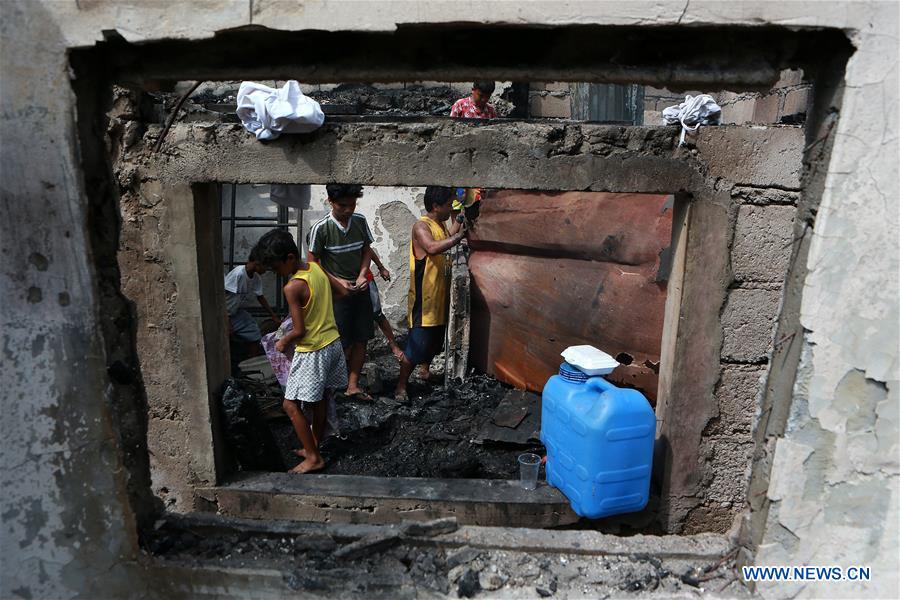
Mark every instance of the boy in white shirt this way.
pixel 242 282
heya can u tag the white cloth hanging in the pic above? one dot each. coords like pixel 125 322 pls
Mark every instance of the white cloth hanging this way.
pixel 268 112
pixel 290 195
pixel 692 113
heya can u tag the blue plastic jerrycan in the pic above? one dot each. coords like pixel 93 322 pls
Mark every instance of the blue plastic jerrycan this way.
pixel 599 441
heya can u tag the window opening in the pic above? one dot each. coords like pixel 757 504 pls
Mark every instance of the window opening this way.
pixel 236 223
pixel 605 252
pixel 251 216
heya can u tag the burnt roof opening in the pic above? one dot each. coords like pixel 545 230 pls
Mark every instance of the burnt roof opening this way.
pixel 746 58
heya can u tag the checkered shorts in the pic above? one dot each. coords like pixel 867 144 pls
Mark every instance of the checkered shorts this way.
pixel 314 372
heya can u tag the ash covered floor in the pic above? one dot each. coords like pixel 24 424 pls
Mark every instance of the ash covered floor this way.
pixel 440 559
pixel 437 433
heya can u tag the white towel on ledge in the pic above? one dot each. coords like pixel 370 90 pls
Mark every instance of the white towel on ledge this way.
pixel 268 112
pixel 692 113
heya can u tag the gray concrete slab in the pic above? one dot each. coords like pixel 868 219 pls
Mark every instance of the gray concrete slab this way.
pixel 523 539
pixel 381 500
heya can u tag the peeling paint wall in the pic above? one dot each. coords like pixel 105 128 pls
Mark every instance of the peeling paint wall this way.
pixel 391 213
pixel 67 525
pixel 834 491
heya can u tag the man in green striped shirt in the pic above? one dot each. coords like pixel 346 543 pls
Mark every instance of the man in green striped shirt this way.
pixel 341 243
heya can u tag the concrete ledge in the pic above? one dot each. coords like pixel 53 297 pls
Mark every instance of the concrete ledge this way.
pixel 435 151
pixel 382 500
pixel 704 546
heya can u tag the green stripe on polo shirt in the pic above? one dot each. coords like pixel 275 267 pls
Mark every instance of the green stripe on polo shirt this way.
pixel 340 252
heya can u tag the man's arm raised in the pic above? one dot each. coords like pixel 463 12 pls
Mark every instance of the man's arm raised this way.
pixel 425 241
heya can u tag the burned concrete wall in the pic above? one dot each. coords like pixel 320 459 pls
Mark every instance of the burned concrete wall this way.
pixel 158 258
pixel 638 159
pixel 733 298
pixel 81 537
pixel 159 252
pixel 69 421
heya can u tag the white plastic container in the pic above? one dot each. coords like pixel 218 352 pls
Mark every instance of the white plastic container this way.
pixel 590 360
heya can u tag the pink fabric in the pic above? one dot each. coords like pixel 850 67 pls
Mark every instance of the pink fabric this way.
pixel 281 365
pixel 281 362
pixel 466 109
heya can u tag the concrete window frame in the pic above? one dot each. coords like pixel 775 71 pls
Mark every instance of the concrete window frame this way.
pixel 692 331
pixel 617 160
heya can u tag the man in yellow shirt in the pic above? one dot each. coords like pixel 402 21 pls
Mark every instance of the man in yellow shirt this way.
pixel 429 277
pixel 318 368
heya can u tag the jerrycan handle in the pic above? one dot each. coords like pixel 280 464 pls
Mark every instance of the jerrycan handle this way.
pixel 598 384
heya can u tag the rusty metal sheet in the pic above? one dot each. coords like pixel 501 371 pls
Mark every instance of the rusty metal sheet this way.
pixel 512 409
pixel 629 229
pixel 529 302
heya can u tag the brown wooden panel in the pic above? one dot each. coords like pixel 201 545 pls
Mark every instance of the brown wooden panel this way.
pixel 532 298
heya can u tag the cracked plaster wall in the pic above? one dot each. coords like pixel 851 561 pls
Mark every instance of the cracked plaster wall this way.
pixel 60 533
pixel 834 481
pixel 391 212
pixel 67 526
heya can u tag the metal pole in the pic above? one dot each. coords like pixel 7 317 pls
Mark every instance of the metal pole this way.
pixel 233 221
pixel 279 280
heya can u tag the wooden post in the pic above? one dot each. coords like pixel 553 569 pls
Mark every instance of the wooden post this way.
pixel 456 348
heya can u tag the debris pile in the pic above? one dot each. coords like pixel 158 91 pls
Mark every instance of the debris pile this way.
pixel 249 439
pixel 438 433
pixel 211 98
pixel 402 561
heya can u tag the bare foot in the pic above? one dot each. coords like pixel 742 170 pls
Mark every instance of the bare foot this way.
pixel 309 465
pixel 401 396
pixel 398 353
pixel 301 453
pixel 358 394
pixel 427 376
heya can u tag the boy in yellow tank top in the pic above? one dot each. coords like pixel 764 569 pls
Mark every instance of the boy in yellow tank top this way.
pixel 429 277
pixel 318 367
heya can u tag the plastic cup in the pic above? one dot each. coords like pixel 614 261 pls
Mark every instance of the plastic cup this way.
pixel 529 465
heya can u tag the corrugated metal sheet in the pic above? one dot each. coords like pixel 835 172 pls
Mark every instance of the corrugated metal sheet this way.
pixel 608 102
